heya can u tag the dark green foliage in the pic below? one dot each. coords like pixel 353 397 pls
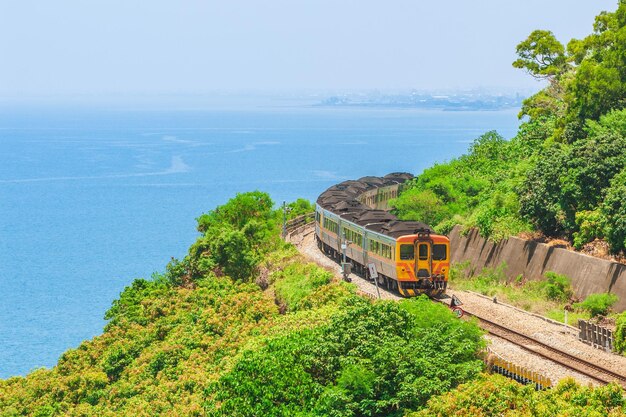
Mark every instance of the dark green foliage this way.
pixel 299 207
pixel 116 360
pixel 234 238
pixel 370 360
pixel 268 382
pixel 590 165
pixel 539 192
pixel 598 85
pixel 598 304
pixel 232 250
pixel 620 333
pixel 477 189
pixel 557 287
pixel 571 178
pixel 613 210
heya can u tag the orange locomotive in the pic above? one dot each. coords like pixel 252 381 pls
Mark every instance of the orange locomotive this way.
pixel 352 219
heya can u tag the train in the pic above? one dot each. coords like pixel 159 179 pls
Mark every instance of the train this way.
pixel 353 222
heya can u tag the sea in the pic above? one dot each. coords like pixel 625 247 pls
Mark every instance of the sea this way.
pixel 92 198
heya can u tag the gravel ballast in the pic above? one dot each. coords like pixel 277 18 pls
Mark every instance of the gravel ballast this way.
pixel 547 331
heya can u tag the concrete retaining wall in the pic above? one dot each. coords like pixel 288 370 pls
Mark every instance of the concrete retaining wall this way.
pixel 532 260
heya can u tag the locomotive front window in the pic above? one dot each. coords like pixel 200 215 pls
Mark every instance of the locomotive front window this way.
pixel 423 252
pixel 439 252
pixel 407 252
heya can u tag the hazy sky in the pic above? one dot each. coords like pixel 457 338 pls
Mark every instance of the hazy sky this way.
pixel 190 46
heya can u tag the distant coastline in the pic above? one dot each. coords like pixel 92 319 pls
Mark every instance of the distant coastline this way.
pixel 447 102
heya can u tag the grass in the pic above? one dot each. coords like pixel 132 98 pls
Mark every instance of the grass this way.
pixel 538 297
pixel 297 281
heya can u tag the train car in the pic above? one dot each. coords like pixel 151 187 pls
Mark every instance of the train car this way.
pixel 353 219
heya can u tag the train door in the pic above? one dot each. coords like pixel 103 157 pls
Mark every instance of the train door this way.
pixel 422 262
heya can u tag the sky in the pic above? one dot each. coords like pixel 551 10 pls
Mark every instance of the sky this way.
pixel 126 47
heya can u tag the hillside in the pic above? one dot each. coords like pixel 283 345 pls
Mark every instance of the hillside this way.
pixel 243 326
pixel 564 174
pixel 283 339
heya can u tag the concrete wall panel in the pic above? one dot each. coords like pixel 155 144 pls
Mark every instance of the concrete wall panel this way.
pixel 532 260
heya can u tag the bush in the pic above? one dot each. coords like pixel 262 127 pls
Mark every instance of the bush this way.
pixel 613 209
pixel 299 207
pixel 421 205
pixel 620 333
pixel 371 359
pixel 598 304
pixel 557 287
pixel 296 282
pixel 589 223
pixel 495 395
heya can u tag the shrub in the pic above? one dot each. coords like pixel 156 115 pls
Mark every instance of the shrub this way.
pixel 613 209
pixel 421 205
pixel 557 287
pixel 598 304
pixel 620 333
pixel 299 207
pixel 371 359
pixel 494 395
pixel 589 224
pixel 297 281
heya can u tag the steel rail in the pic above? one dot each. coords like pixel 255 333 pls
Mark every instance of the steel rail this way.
pixel 505 333
pixel 593 371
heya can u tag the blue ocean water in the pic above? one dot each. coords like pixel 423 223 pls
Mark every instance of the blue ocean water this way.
pixel 90 200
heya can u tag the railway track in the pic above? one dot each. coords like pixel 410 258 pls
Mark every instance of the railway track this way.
pixel 528 343
pixel 536 347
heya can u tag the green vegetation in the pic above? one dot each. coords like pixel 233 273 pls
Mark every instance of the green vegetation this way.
pixel 242 326
pixel 281 339
pixel 597 304
pixel 284 340
pixel 620 333
pixel 564 173
pixel 376 359
pixel 549 297
pixel 557 287
pixel 497 396
pixel 299 207
pixel 296 282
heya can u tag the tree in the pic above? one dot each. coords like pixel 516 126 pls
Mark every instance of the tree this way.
pixel 613 210
pixel 542 55
pixel 600 81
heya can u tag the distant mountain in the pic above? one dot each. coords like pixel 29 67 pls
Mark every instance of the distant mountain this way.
pixel 456 101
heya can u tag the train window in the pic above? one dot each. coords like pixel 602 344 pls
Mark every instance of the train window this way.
pixel 407 252
pixel 353 236
pixel 423 251
pixel 317 217
pixel 330 225
pixel 373 246
pixel 439 252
